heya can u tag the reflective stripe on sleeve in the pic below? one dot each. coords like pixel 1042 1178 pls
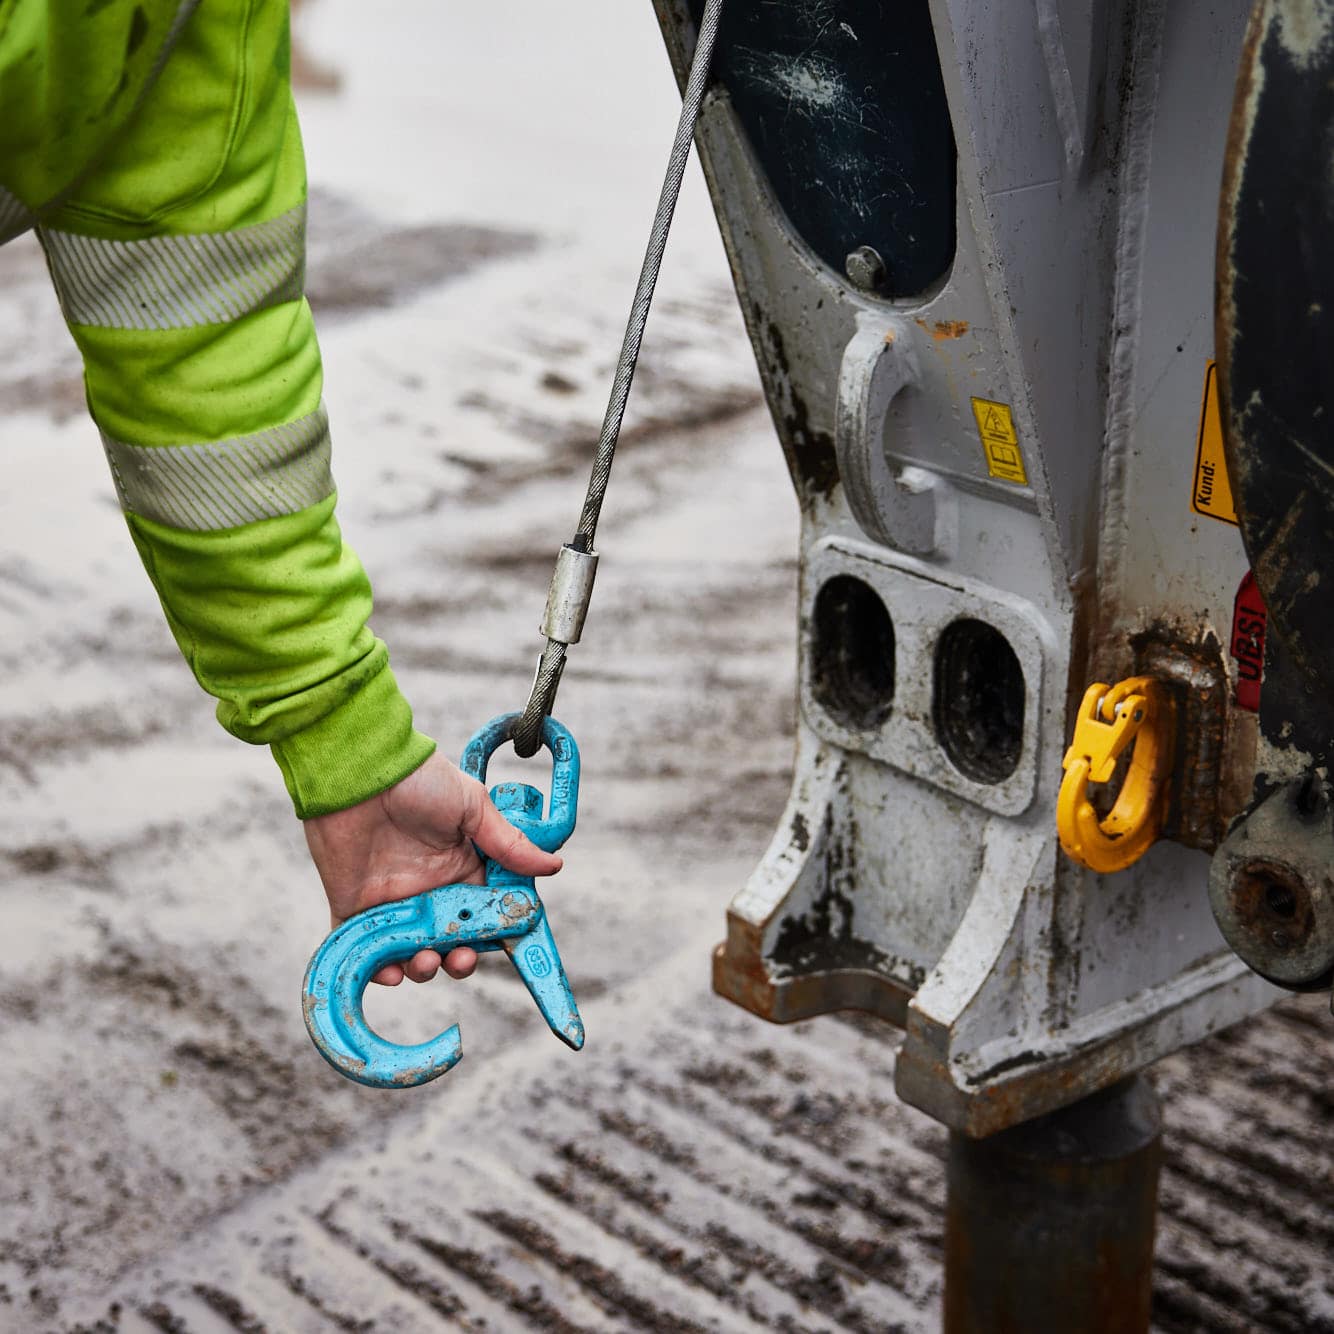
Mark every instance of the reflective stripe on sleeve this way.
pixel 227 483
pixel 179 282
pixel 15 216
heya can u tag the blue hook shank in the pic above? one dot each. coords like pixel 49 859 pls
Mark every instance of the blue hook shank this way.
pixel 481 916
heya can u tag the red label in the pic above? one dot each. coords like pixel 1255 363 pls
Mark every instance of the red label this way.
pixel 1248 642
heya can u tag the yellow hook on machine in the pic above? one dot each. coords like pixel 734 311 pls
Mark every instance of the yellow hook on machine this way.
pixel 1135 712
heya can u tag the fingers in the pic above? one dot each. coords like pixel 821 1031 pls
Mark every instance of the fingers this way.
pixel 461 963
pixel 424 965
pixel 497 838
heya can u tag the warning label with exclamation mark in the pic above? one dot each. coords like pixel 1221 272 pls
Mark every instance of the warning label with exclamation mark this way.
pixel 1000 441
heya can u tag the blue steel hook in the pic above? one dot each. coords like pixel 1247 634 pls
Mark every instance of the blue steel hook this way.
pixel 503 913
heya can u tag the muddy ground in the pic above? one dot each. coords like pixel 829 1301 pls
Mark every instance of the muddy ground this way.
pixel 177 1158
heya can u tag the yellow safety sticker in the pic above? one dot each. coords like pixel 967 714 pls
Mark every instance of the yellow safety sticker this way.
pixel 1000 441
pixel 1211 493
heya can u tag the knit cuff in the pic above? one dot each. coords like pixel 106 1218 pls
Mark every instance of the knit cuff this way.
pixel 364 746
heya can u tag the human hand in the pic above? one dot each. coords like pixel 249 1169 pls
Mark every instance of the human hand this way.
pixel 415 836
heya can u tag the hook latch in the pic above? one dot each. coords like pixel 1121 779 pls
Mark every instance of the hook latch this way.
pixel 1134 713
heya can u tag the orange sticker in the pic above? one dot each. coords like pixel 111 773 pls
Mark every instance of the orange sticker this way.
pixel 1211 494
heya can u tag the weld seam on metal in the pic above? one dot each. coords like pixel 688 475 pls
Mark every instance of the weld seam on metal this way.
pixel 182 281
pixel 226 483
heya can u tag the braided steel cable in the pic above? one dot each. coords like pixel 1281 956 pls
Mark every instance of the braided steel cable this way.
pixel 696 87
pixel 528 730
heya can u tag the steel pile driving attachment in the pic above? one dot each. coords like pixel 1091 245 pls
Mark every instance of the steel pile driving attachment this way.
pixel 504 913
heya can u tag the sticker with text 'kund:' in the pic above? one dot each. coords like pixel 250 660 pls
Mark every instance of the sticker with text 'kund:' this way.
pixel 1211 494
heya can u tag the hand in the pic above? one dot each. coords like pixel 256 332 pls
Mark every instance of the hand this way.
pixel 413 837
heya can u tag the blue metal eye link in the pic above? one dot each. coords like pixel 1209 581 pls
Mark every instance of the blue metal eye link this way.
pixel 505 913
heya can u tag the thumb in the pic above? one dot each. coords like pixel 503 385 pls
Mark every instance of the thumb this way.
pixel 497 838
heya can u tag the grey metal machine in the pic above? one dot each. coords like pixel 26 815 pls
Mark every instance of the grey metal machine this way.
pixel 975 245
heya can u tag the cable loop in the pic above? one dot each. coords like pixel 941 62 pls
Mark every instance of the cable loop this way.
pixel 527 731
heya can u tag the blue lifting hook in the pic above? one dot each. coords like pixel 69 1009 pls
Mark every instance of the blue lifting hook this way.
pixel 503 913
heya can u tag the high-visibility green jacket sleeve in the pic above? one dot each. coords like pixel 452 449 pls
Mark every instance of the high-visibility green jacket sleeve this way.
pixel 178 256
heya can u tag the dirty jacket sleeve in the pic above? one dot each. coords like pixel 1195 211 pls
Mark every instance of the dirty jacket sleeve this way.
pixel 179 262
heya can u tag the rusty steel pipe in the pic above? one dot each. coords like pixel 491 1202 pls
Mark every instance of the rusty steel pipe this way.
pixel 1050 1225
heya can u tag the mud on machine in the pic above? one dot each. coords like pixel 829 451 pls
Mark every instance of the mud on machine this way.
pixel 976 245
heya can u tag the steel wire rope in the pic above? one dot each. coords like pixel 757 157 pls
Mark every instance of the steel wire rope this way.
pixel 528 729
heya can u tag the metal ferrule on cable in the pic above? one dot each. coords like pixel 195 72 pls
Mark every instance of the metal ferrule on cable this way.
pixel 567 605
pixel 572 582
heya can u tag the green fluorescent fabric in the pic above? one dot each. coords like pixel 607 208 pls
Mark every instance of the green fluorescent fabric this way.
pixel 72 74
pixel 157 144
